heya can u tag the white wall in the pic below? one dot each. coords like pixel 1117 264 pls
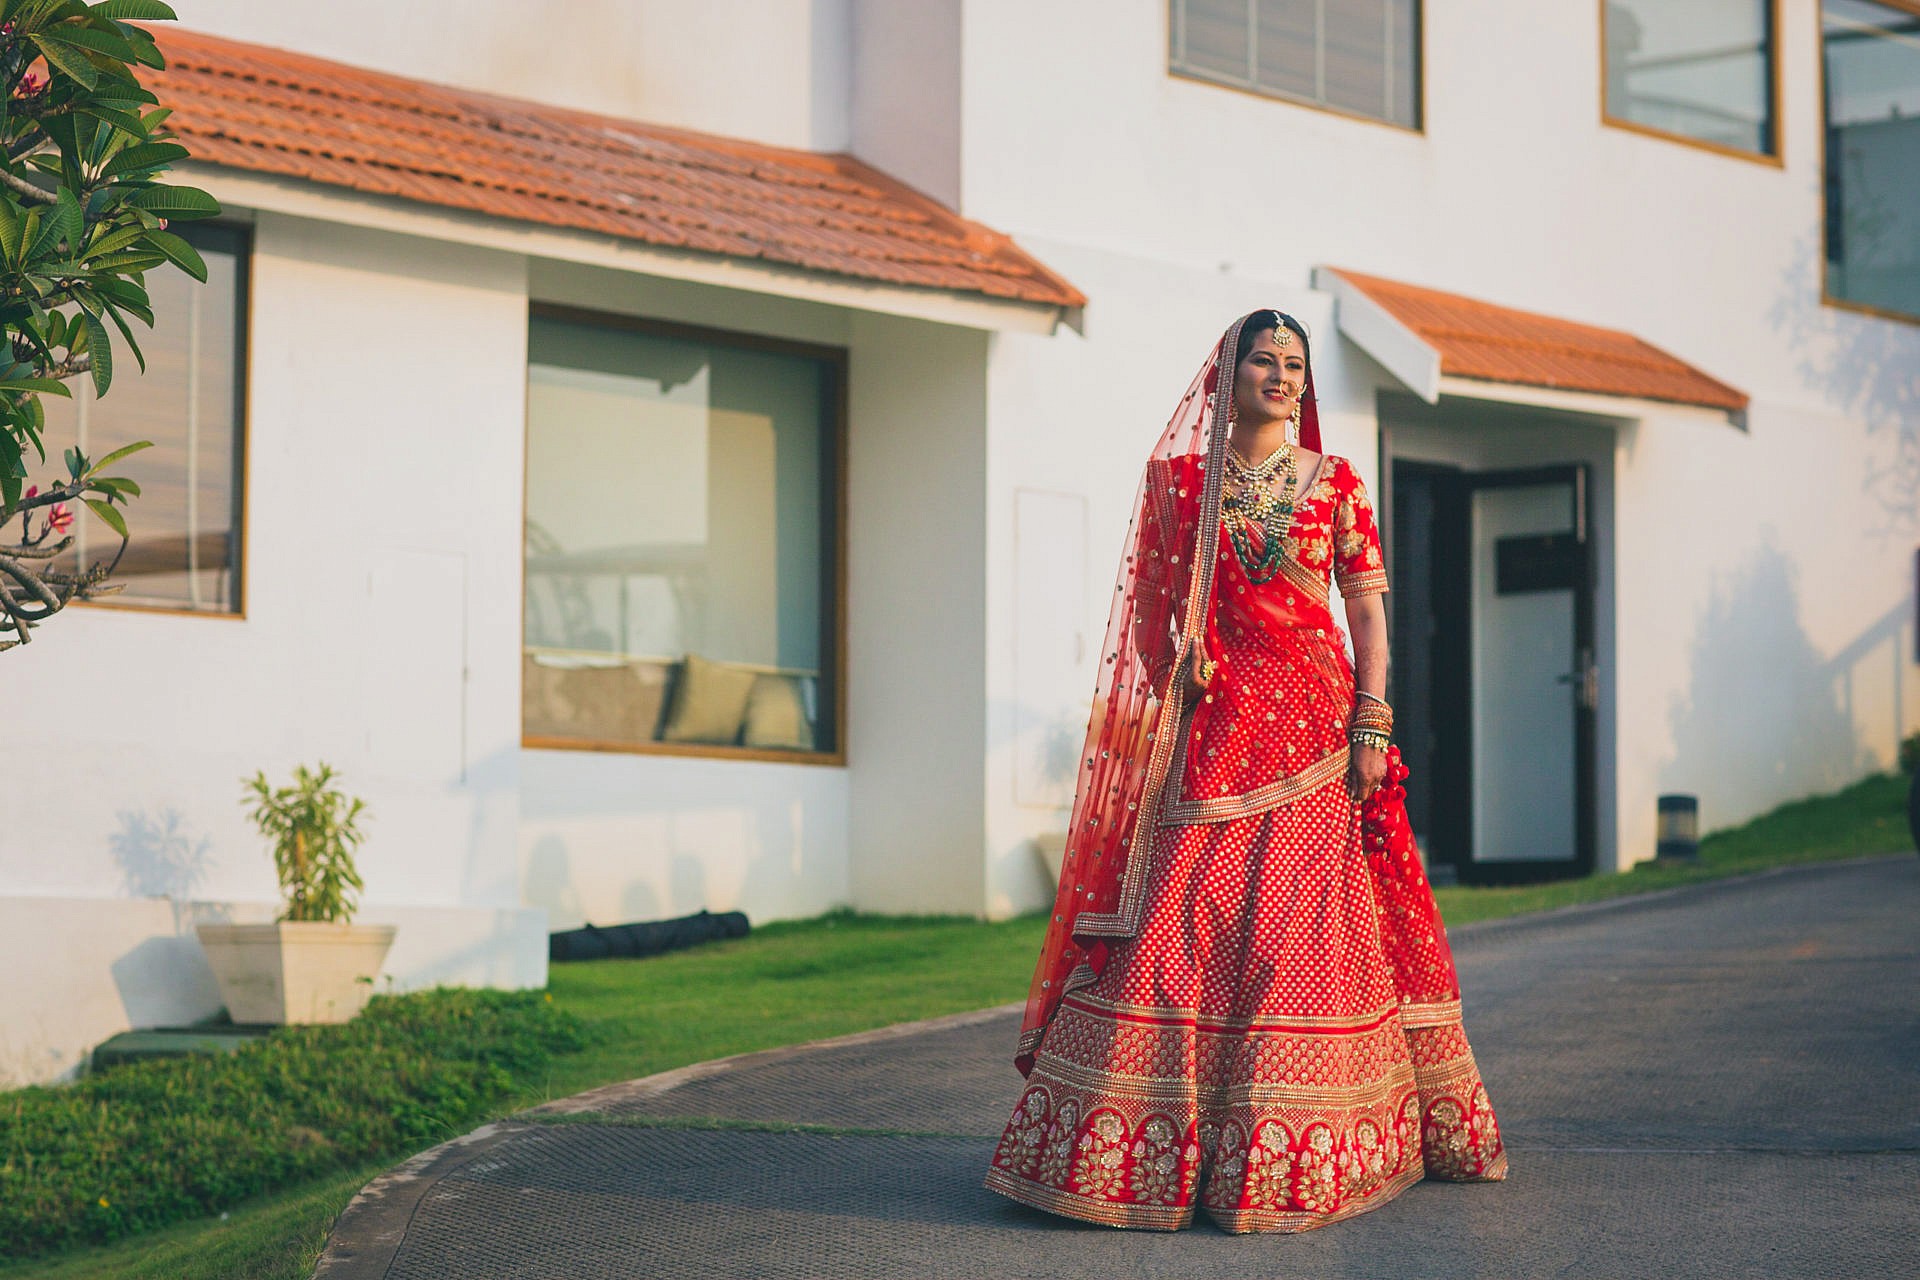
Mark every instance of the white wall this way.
pixel 774 71
pixel 381 531
pixel 906 86
pixel 916 627
pixel 1783 553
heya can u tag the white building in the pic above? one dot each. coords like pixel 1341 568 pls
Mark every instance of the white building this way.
pixel 645 522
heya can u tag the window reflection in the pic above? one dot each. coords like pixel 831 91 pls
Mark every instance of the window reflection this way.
pixel 679 549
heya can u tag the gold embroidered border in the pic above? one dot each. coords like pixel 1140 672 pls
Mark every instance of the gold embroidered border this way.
pixel 1243 1221
pixel 1085 1208
pixel 1286 790
pixel 1368 582
pixel 1095 1005
pixel 1400 1079
pixel 1303 578
pixel 1442 1013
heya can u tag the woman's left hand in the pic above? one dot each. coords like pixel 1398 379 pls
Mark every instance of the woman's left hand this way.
pixel 1366 772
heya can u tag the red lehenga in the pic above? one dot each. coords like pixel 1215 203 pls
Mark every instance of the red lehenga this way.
pixel 1246 1003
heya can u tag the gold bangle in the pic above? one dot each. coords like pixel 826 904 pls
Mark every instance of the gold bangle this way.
pixel 1370 738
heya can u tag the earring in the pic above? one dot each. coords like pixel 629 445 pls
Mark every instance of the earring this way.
pixel 1293 424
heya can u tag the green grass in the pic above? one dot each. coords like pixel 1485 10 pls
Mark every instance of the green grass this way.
pixel 1868 817
pixel 838 974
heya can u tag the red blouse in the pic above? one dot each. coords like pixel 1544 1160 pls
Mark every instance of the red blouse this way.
pixel 1273 723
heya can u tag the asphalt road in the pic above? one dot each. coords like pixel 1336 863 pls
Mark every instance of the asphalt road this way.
pixel 1718 1081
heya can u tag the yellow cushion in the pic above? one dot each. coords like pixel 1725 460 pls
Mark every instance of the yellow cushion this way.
pixel 709 702
pixel 776 717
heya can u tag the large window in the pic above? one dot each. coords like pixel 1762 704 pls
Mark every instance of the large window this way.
pixel 1361 57
pixel 1872 55
pixel 184 552
pixel 1697 70
pixel 681 540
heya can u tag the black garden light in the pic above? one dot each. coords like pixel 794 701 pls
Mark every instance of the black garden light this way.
pixel 1678 832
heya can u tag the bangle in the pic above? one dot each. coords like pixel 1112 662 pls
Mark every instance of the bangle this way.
pixel 1362 693
pixel 1370 738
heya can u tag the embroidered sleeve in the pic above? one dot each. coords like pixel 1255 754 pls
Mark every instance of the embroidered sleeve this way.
pixel 1358 568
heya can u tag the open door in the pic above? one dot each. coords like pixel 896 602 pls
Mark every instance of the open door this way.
pixel 1494 672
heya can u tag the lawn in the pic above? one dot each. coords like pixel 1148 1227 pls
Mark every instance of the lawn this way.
pixel 804 980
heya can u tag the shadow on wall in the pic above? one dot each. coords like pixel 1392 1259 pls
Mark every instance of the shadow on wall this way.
pixel 1764 720
pixel 159 858
pixel 1866 366
pixel 657 871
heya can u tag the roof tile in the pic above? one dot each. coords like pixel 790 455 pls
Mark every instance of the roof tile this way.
pixel 246 106
pixel 1499 344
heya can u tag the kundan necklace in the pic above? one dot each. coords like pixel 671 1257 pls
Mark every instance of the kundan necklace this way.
pixel 1262 495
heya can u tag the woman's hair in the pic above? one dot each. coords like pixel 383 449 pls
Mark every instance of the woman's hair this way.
pixel 1259 323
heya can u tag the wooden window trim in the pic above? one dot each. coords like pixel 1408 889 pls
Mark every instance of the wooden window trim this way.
pixel 1294 100
pixel 1826 298
pixel 835 625
pixel 1776 159
pixel 243 474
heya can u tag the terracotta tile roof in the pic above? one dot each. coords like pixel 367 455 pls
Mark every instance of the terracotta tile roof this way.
pixel 1499 344
pixel 245 106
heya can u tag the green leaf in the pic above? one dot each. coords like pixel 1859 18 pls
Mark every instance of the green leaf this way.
pixel 67 59
pixel 175 202
pixel 121 452
pixel 96 39
pixel 180 253
pixel 41 386
pixel 117 484
pixel 119 119
pixel 63 224
pixel 100 351
pixel 145 156
pixel 131 260
pixel 10 227
pixel 113 313
pixel 134 11
pixel 76 461
pixel 113 519
pixel 13 469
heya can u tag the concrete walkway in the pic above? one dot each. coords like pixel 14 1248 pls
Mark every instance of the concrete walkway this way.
pixel 1718 1081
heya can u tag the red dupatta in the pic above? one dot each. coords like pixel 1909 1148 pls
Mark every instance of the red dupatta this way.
pixel 1162 604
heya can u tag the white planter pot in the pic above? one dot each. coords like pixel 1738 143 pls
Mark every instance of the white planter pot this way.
pixel 295 972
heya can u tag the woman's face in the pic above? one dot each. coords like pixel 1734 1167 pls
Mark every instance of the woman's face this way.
pixel 1269 382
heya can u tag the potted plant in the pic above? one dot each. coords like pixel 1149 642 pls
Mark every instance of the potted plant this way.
pixel 312 964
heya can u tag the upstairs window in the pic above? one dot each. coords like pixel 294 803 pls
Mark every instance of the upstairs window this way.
pixel 1359 57
pixel 682 541
pixel 184 553
pixel 1696 70
pixel 1872 62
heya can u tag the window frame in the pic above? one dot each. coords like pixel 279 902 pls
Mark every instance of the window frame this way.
pixel 1826 296
pixel 1418 129
pixel 1775 159
pixel 834 625
pixel 242 234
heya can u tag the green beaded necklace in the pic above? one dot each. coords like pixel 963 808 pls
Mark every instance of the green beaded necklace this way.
pixel 1255 501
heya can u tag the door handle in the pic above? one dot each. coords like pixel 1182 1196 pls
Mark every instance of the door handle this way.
pixel 1586 680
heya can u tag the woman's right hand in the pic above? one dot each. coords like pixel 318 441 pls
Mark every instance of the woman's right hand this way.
pixel 1197 664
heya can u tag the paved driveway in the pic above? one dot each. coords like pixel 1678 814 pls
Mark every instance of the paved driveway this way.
pixel 1718 1081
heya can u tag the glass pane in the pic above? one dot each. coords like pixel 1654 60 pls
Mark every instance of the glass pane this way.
pixel 184 551
pixel 679 540
pixel 1698 68
pixel 1873 155
pixel 1403 62
pixel 1356 56
pixel 1215 33
pixel 1359 56
pixel 1289 60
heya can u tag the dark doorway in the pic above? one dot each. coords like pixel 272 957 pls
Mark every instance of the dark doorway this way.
pixel 1493 676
